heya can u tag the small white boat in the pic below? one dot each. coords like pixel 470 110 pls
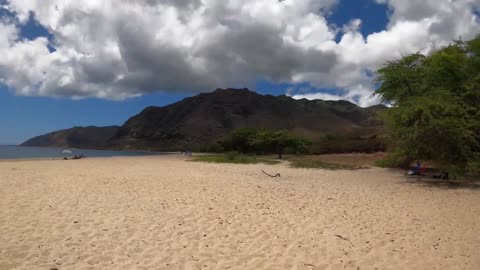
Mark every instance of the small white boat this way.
pixel 67 151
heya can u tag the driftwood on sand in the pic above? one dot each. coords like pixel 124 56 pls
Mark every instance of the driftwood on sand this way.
pixel 276 175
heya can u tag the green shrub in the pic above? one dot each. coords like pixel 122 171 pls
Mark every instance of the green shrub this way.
pixel 247 140
pixel 393 160
pixel 232 155
pixel 473 167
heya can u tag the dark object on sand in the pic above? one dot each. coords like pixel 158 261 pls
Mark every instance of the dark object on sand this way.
pixel 443 175
pixel 277 175
pixel 76 157
pixel 341 237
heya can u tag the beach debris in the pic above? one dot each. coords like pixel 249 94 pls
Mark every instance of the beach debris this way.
pixel 341 237
pixel 276 175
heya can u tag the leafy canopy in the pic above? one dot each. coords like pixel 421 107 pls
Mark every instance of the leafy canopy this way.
pixel 435 106
pixel 248 140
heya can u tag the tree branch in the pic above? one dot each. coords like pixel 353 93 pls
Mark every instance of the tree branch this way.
pixel 277 175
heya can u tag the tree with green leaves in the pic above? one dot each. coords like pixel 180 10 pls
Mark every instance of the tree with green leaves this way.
pixel 435 106
pixel 248 140
pixel 277 140
pixel 240 139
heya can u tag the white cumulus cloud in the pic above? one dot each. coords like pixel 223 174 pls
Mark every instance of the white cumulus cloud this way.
pixel 118 49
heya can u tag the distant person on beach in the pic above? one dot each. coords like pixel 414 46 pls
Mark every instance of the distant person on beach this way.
pixel 77 157
pixel 416 170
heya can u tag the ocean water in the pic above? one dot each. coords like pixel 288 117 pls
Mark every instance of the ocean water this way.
pixel 20 152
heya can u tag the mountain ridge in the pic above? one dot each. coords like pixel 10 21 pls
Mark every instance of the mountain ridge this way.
pixel 89 137
pixel 199 122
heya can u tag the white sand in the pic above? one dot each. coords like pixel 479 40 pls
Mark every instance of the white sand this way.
pixel 166 213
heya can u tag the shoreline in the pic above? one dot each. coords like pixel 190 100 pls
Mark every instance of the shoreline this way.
pixel 62 159
pixel 54 153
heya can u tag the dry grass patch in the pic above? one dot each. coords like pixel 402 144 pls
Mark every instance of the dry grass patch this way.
pixel 351 161
pixel 235 158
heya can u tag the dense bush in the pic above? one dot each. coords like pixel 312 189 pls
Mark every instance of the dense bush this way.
pixel 435 106
pixel 247 140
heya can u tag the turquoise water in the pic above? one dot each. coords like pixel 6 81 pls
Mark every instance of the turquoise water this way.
pixel 20 152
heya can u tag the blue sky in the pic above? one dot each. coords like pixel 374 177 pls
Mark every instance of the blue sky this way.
pixel 24 117
pixel 114 70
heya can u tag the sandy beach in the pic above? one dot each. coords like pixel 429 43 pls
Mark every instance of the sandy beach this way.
pixel 168 213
